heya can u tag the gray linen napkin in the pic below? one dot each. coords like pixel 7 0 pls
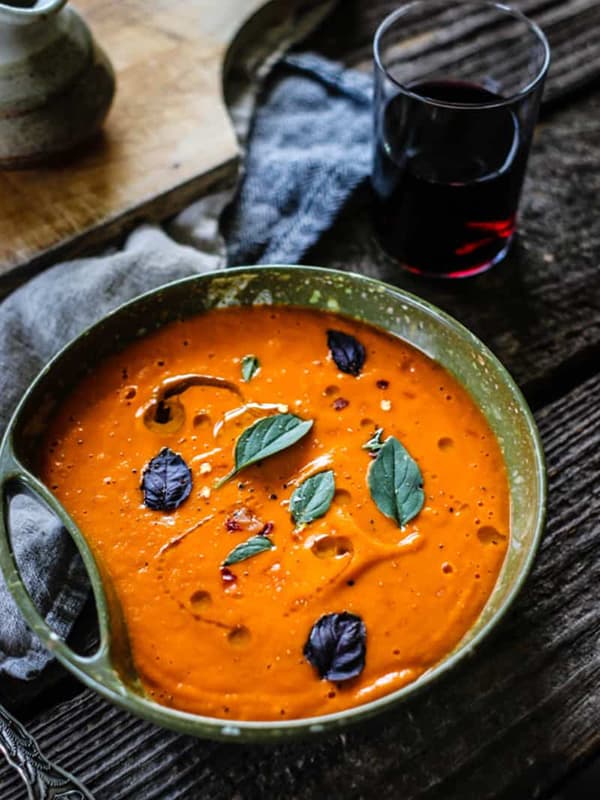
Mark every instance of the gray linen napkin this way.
pixel 307 153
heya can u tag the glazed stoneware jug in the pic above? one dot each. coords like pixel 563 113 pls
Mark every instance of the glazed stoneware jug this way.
pixel 56 84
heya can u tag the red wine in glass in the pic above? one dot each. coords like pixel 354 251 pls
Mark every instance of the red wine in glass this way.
pixel 447 179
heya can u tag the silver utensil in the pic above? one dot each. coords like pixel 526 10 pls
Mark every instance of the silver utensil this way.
pixel 44 780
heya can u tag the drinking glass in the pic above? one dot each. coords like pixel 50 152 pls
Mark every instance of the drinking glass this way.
pixel 458 85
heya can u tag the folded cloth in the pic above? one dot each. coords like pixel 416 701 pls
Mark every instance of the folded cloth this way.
pixel 308 152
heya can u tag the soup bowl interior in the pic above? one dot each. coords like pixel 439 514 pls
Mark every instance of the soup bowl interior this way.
pixel 422 325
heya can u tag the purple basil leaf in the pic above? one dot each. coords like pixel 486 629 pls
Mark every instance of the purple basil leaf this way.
pixel 347 352
pixel 336 646
pixel 166 481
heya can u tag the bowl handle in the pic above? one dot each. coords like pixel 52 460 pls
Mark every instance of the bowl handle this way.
pixel 113 637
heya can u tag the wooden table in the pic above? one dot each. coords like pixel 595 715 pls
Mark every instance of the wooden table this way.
pixel 517 720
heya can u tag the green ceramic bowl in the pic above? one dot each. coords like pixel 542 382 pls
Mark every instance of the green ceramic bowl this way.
pixel 423 325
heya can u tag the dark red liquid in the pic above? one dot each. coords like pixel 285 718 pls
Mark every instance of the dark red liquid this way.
pixel 447 181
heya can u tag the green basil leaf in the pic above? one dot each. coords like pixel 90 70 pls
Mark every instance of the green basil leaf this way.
pixel 313 497
pixel 375 443
pixel 250 366
pixel 247 549
pixel 266 437
pixel 396 483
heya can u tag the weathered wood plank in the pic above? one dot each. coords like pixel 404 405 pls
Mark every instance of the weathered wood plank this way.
pixel 507 725
pixel 350 34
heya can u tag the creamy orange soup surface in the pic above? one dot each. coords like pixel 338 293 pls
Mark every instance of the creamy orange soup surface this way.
pixel 318 616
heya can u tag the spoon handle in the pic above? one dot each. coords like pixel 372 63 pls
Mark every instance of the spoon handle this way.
pixel 44 780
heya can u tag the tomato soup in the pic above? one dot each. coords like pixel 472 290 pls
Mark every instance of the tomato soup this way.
pixel 298 512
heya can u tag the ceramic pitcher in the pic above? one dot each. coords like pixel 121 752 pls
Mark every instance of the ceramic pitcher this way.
pixel 56 84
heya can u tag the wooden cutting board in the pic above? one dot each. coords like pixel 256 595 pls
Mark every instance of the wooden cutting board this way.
pixel 167 138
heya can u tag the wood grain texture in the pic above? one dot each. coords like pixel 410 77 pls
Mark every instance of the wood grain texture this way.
pixel 167 138
pixel 570 25
pixel 506 725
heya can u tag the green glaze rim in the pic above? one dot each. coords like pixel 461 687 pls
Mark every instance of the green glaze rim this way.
pixel 350 294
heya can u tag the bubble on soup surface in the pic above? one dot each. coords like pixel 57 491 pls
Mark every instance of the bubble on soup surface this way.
pixel 239 636
pixel 200 599
pixel 487 534
pixel 332 547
